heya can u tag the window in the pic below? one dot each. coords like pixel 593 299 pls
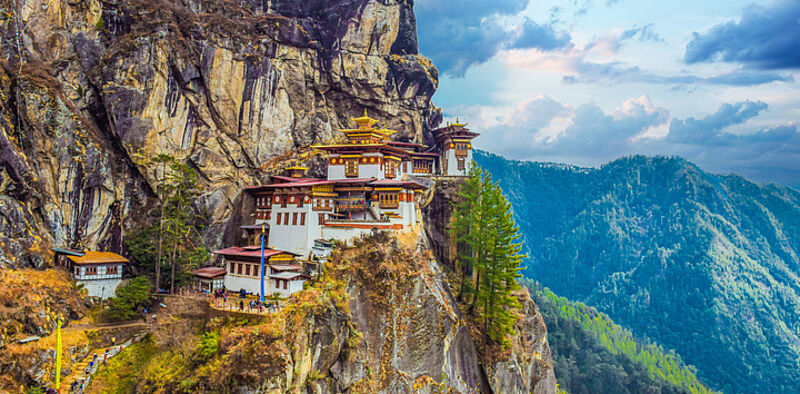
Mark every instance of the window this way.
pixel 388 200
pixel 461 163
pixel 300 201
pixel 91 271
pixel 285 283
pixel 247 269
pixel 255 270
pixel 405 166
pixel 286 219
pixel 351 168
pixel 267 215
pixel 422 166
pixel 277 222
pixel 462 148
pixel 389 168
pixel 230 267
pixel 283 201
pixel 321 218
pixel 111 270
pixel 294 219
pixel 303 219
pixel 239 268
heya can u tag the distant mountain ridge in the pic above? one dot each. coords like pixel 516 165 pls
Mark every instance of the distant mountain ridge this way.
pixel 705 264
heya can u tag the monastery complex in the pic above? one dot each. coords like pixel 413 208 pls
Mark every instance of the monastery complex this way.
pixel 372 183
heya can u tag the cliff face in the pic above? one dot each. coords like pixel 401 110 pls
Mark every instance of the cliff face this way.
pixel 380 319
pixel 89 89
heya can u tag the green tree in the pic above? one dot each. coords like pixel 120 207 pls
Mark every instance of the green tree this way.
pixel 208 346
pixel 503 263
pixel 175 239
pixel 465 228
pixel 487 237
pixel 129 298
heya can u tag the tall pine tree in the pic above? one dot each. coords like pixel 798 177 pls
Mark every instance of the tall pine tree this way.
pixel 488 249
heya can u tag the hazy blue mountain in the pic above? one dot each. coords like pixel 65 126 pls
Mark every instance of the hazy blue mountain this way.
pixel 704 264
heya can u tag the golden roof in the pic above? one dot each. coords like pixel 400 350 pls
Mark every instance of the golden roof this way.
pixel 364 122
pixel 92 257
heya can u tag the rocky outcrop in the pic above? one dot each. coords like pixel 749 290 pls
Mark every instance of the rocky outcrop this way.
pixel 438 211
pixel 90 88
pixel 385 322
pixel 529 367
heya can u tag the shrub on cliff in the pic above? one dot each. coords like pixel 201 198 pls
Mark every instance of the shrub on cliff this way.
pixel 130 297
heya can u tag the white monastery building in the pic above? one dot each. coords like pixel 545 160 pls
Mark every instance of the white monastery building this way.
pixel 372 183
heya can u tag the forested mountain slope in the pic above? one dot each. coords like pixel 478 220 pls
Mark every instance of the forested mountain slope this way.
pixel 704 264
pixel 592 354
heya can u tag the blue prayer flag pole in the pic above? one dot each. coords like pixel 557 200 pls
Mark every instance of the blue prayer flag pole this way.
pixel 261 296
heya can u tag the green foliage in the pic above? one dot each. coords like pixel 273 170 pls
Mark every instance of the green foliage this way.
pixel 173 240
pixel 585 341
pixel 101 23
pixel 487 236
pixel 34 390
pixel 703 264
pixel 208 346
pixel 129 299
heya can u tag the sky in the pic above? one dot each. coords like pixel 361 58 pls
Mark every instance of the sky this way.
pixel 587 81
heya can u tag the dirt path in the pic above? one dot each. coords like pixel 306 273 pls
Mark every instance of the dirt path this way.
pixel 106 326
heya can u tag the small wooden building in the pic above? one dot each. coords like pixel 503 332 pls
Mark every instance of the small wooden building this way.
pixel 208 279
pixel 99 272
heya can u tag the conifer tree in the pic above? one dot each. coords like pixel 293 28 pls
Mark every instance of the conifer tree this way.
pixel 504 260
pixel 465 228
pixel 488 247
pixel 175 239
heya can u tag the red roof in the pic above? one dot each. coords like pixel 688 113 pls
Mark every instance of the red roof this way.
pixel 392 182
pixel 353 180
pixel 353 149
pixel 292 179
pixel 453 131
pixel 250 251
pixel 209 272
pixel 296 182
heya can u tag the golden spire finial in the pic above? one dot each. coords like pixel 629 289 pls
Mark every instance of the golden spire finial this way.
pixel 364 122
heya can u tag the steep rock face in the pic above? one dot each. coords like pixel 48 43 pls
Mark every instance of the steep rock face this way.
pixel 89 89
pixel 395 328
pixel 528 367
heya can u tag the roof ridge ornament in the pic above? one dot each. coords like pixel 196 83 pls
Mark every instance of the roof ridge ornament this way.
pixel 364 122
